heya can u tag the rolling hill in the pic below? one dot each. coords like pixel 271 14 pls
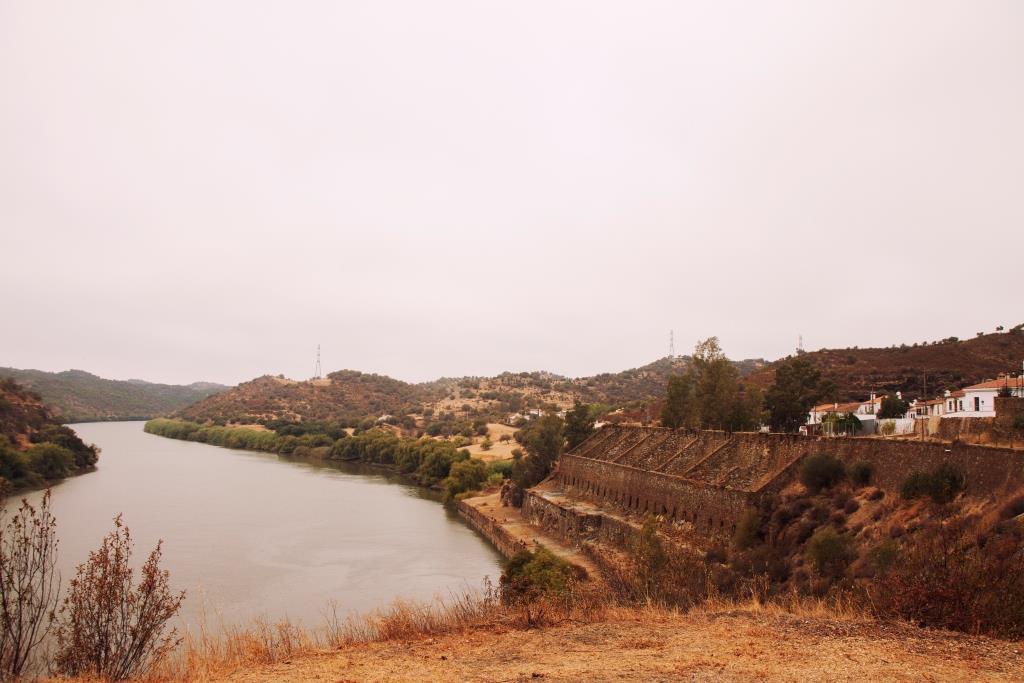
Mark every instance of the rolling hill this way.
pixel 350 396
pixel 916 370
pixel 79 396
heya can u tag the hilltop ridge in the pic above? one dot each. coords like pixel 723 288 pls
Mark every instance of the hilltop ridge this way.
pixel 80 396
pixel 917 370
pixel 349 395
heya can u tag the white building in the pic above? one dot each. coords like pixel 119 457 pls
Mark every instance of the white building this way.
pixel 979 400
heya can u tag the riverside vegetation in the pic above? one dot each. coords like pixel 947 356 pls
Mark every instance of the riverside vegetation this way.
pixel 429 462
pixel 35 449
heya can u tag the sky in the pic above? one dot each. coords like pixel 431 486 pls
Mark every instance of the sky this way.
pixel 196 190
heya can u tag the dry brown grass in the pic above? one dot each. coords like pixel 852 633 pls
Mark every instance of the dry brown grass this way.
pixel 214 654
pixel 468 638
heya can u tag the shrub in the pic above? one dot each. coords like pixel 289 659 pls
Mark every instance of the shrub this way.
pixel 942 484
pixel 941 577
pixel 29 583
pixel 109 627
pixel 529 575
pixel 821 471
pixel 861 473
pixel 748 530
pixel 466 475
pixel 13 463
pixel 502 467
pixel 50 461
pixel 882 556
pixel 486 444
pixel 649 556
pixel 830 551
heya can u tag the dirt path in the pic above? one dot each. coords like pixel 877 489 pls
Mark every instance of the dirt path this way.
pixel 736 645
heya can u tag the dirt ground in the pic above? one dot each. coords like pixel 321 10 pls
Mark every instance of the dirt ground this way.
pixel 732 645
pixel 500 450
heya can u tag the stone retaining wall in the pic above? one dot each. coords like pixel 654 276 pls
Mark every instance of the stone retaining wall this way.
pixel 506 544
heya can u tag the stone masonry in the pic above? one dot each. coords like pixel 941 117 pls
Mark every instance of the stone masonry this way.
pixel 710 478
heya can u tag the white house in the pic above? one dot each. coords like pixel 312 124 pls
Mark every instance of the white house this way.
pixel 921 408
pixel 864 410
pixel 979 400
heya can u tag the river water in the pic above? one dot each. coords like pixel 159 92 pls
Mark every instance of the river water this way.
pixel 252 535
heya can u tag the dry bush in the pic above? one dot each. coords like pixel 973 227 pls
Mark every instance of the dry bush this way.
pixel 108 627
pixel 948 575
pixel 29 584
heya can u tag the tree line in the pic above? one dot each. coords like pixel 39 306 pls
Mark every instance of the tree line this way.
pixel 429 462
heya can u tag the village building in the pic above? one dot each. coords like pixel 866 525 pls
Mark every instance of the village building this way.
pixel 979 400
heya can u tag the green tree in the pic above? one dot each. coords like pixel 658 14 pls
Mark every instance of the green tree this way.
pixel 579 424
pixel 717 385
pixel 51 461
pixel 465 475
pixel 798 386
pixel 679 409
pixel 892 407
pixel 544 440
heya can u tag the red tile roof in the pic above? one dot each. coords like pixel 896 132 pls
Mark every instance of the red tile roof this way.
pixel 995 384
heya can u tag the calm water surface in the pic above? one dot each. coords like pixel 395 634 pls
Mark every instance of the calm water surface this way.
pixel 249 534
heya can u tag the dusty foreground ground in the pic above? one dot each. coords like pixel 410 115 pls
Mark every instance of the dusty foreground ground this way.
pixel 736 645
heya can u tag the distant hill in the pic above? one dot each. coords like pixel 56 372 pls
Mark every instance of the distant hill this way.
pixel 350 396
pixel 948 364
pixel 343 395
pixel 78 396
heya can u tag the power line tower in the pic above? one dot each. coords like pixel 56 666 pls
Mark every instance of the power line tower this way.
pixel 800 343
pixel 671 344
pixel 317 370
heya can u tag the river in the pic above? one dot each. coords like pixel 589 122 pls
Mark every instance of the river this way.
pixel 252 535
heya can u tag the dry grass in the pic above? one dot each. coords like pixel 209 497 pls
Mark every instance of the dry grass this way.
pixel 214 654
pixel 473 639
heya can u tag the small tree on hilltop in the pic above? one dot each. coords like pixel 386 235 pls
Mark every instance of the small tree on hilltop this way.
pixel 108 627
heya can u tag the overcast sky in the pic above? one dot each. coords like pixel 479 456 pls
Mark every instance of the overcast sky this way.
pixel 207 190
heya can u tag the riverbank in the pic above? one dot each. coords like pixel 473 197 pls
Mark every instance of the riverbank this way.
pixel 429 462
pixel 722 643
pixel 509 532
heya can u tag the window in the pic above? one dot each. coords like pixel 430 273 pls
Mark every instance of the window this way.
pixel 977 403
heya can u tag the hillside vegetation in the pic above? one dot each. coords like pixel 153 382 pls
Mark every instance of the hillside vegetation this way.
pixel 456 404
pixel 348 396
pixel 35 449
pixel 946 364
pixel 79 396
